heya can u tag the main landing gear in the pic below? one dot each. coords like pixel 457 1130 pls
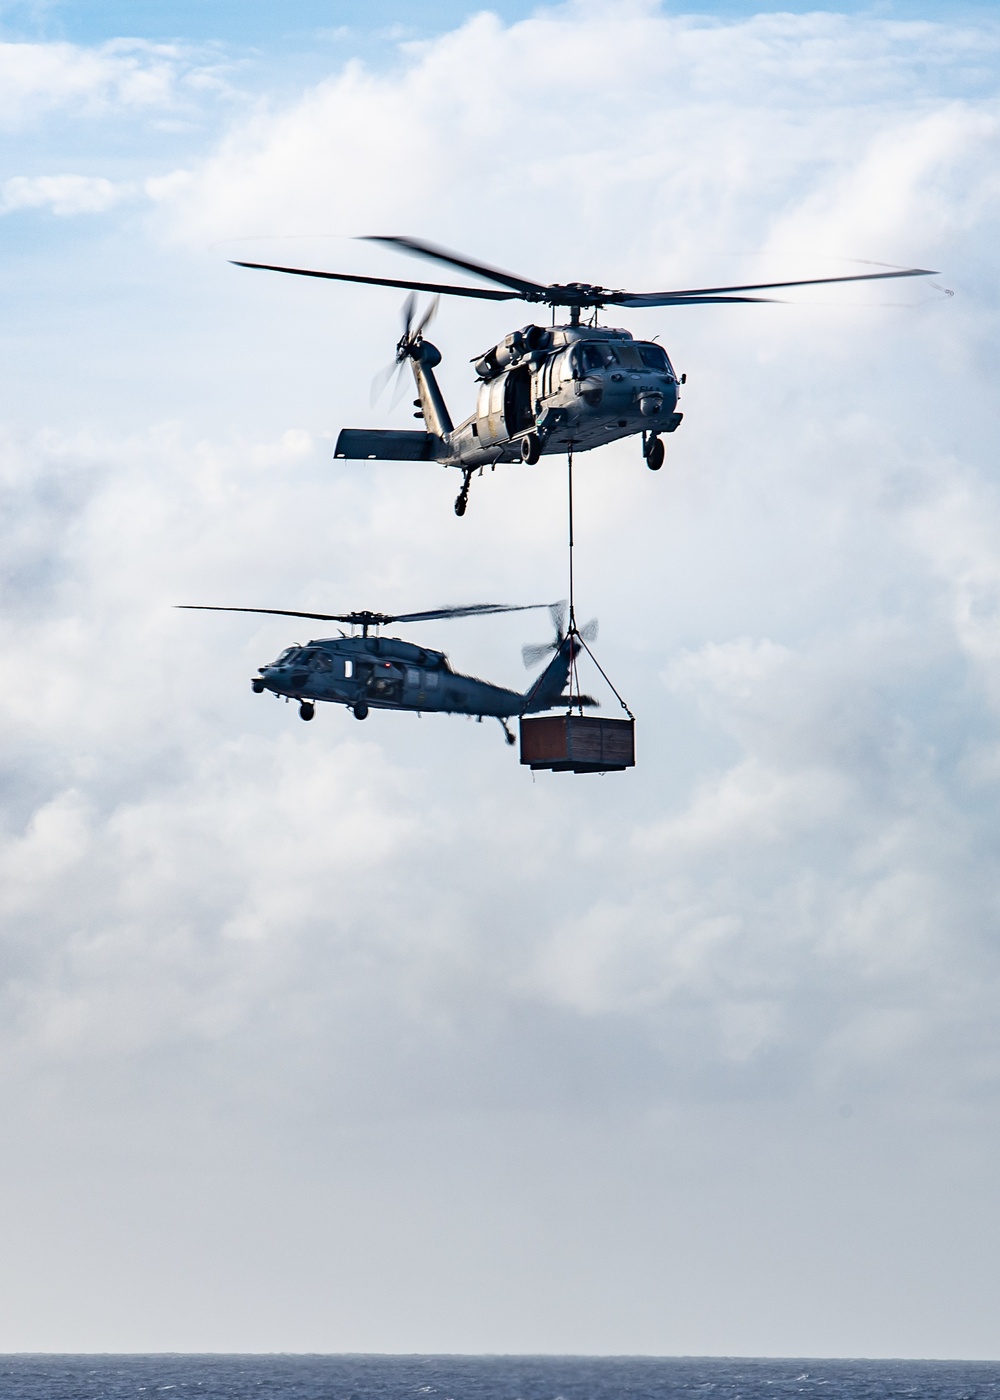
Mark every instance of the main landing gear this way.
pixel 462 499
pixel 653 451
pixel 531 449
pixel 306 709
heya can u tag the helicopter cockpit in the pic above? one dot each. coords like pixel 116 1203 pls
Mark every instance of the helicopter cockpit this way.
pixel 597 355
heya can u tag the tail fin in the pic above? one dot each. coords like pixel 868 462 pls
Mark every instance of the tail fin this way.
pixel 546 693
pixel 423 357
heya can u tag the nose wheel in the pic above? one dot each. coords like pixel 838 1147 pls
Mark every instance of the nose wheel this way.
pixel 653 451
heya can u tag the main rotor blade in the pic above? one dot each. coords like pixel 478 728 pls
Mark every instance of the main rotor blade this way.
pixel 280 612
pixel 666 298
pixel 375 619
pixel 420 249
pixel 472 610
pixel 484 293
pixel 670 299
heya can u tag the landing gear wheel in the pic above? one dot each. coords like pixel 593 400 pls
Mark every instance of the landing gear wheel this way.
pixel 307 709
pixel 462 499
pixel 531 449
pixel 511 738
pixel 361 710
pixel 654 453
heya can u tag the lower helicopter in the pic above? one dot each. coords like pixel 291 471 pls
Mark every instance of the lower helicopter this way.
pixel 365 672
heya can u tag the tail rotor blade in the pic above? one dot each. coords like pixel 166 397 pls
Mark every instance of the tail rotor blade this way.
pixel 409 306
pixel 381 381
pixel 427 317
pixel 398 391
pixel 557 612
pixel 532 654
pixel 588 633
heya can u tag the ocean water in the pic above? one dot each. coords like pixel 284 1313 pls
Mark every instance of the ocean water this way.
pixel 168 1377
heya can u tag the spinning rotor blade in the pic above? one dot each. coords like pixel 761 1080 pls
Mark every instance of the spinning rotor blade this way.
pixel 473 610
pixel 723 293
pixel 382 380
pixel 275 612
pixel 484 293
pixel 588 632
pixel 374 619
pixel 532 654
pixel 427 317
pixel 409 306
pixel 420 249
pixel 573 294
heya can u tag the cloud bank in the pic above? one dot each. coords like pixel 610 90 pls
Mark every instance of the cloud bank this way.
pixel 699 1058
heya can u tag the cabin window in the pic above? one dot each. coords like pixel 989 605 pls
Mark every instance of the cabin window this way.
pixel 496 396
pixel 430 680
pixel 484 401
pixel 412 676
pixel 348 670
pixel 654 357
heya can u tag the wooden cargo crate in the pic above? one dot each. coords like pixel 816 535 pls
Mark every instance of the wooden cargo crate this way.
pixel 577 743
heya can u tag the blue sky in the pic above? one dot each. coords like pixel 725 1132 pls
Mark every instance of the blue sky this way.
pixel 700 1058
pixel 298 26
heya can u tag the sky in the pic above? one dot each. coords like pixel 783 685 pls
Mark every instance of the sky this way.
pixel 357 1037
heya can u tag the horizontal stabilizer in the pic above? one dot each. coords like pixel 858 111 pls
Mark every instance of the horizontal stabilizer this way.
pixel 387 445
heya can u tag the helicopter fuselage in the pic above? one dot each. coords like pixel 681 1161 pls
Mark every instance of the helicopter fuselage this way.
pixel 578 386
pixel 390 674
pixel 541 391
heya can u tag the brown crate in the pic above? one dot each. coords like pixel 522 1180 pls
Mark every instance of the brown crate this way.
pixel 577 743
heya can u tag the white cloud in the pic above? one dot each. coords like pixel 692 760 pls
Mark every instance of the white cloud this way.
pixel 64 194
pixel 124 77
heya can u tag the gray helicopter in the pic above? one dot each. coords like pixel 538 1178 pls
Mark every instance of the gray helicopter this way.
pixel 367 672
pixel 542 389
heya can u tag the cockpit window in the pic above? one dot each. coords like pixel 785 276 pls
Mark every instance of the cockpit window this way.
pixel 654 357
pixel 286 656
pixel 628 356
pixel 595 357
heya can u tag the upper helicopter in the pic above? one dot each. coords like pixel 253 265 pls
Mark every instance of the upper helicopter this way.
pixel 376 672
pixel 543 389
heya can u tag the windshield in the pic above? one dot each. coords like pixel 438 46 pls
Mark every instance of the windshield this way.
pixel 596 355
pixel 654 357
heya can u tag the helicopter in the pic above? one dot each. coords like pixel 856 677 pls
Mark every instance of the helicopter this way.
pixel 365 672
pixel 542 389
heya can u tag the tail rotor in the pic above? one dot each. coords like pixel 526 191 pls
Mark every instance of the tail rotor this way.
pixel 407 347
pixel 533 653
